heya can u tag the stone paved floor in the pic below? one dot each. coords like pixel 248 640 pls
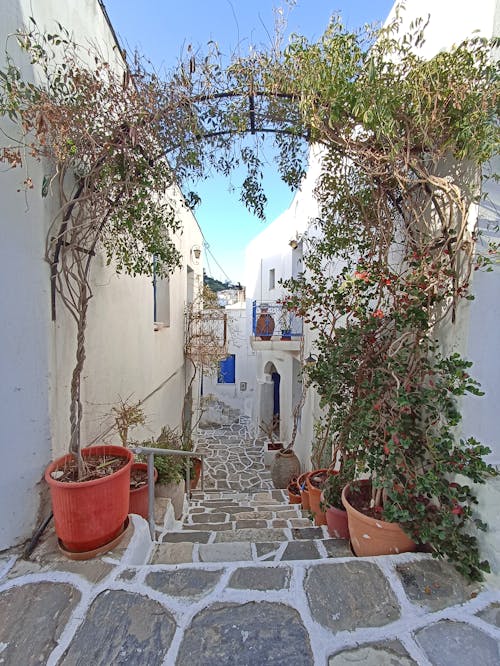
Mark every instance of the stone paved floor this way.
pixel 334 610
pixel 232 461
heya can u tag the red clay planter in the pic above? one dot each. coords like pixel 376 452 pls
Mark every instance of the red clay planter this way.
pixel 336 520
pixel 89 514
pixel 138 498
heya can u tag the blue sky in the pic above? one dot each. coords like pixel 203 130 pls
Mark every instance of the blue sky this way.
pixel 162 31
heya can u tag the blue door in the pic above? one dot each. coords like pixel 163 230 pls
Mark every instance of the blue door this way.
pixel 276 393
pixel 227 370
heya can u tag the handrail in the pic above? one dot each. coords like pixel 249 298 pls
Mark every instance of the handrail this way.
pixel 150 452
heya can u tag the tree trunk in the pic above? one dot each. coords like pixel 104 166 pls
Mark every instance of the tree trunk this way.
pixel 76 410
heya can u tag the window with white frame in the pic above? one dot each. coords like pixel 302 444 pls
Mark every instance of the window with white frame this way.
pixel 161 299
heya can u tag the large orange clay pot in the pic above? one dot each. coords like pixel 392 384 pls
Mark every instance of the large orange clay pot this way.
pixel 315 497
pixel 138 498
pixel 89 514
pixel 372 536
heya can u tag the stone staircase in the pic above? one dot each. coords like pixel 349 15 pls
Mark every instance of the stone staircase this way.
pixel 245 526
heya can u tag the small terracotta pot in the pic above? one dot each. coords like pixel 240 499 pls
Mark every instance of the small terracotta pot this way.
pixel 315 498
pixel 196 473
pixel 138 502
pixel 371 536
pixel 293 493
pixel 304 493
pixel 90 514
pixel 336 520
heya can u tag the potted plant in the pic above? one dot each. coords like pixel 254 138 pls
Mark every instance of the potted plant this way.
pixel 285 465
pixel 315 481
pixel 285 318
pixel 304 492
pixel 171 470
pixel 391 258
pixel 126 416
pixel 90 508
pixel 270 428
pixel 331 500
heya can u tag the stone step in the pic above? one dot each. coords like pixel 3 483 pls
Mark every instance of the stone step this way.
pixel 238 521
pixel 256 494
pixel 256 534
pixel 185 552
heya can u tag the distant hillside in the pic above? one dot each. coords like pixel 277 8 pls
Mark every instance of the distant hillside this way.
pixel 217 285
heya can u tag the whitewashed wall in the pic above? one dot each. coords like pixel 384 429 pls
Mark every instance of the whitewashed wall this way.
pixel 125 355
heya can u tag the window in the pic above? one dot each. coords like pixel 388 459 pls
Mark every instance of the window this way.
pixel 161 299
pixel 272 278
pixel 227 370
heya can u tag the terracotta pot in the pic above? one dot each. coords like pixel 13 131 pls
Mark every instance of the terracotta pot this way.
pixel 265 325
pixel 372 536
pixel 304 493
pixel 196 473
pixel 336 520
pixel 174 491
pixel 139 496
pixel 89 514
pixel 293 493
pixel 284 467
pixel 315 497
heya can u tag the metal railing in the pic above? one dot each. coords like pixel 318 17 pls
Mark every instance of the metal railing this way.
pixel 275 321
pixel 150 452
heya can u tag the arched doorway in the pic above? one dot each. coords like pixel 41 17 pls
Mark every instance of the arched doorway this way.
pixel 269 407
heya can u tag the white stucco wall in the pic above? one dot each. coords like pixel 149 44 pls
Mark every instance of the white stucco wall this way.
pixel 125 356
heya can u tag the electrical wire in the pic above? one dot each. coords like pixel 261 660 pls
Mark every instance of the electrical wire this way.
pixel 206 245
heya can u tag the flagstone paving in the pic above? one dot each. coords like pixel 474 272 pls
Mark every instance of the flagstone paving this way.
pixel 246 580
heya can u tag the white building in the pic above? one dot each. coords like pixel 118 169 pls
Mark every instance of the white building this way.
pixel 275 255
pixel 129 355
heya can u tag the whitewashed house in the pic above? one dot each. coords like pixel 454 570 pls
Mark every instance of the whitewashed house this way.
pixel 135 334
pixel 280 341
